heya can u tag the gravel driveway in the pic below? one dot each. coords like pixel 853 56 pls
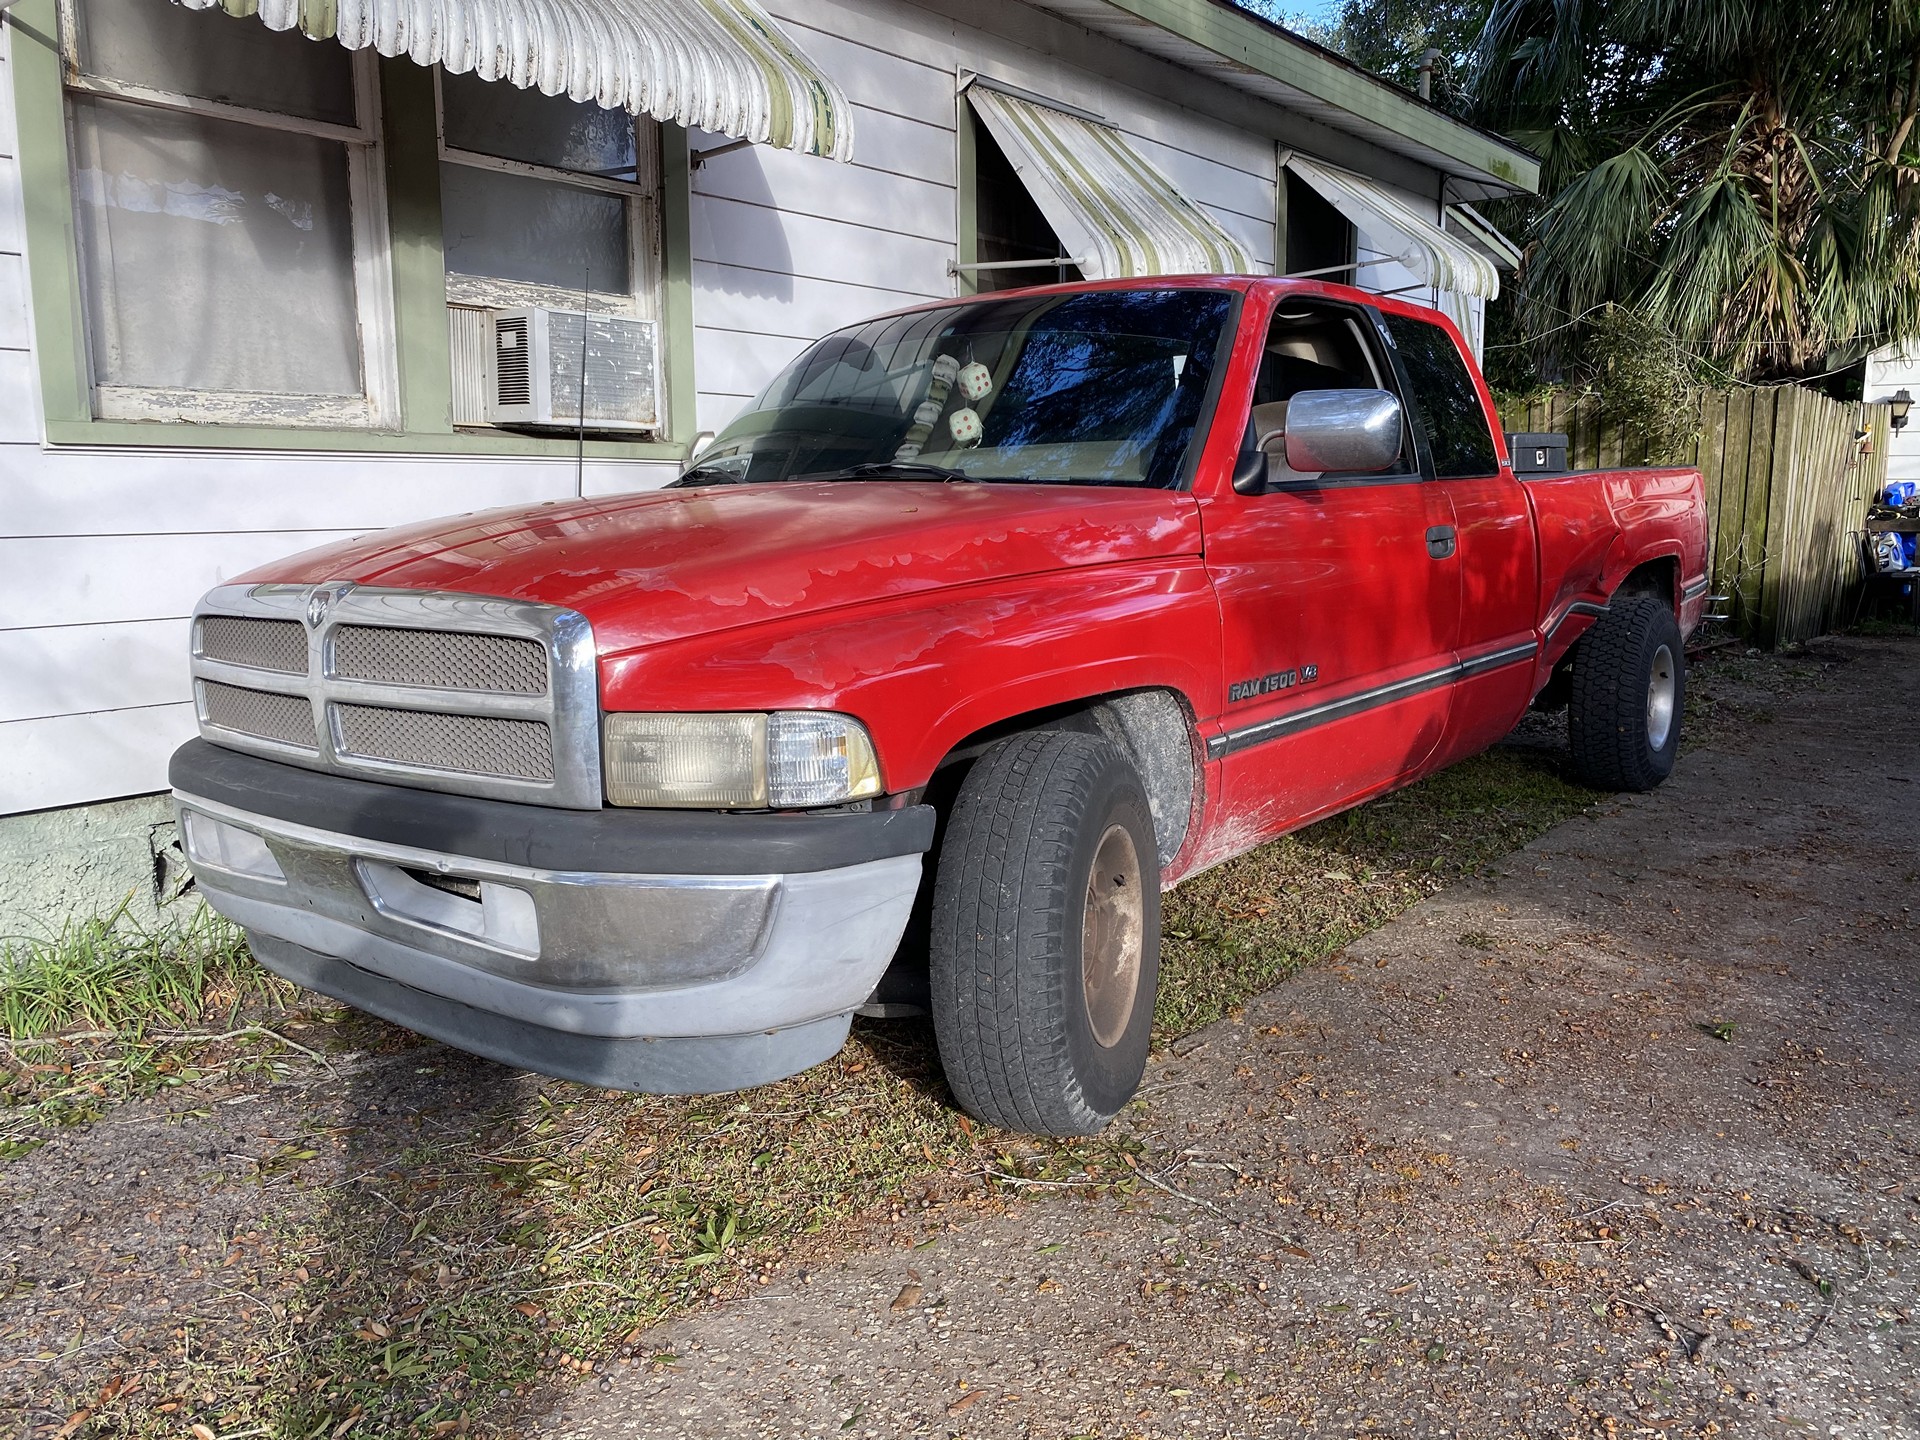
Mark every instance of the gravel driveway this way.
pixel 1619 1140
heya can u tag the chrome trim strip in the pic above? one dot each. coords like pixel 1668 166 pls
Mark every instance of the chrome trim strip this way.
pixel 570 709
pixel 441 862
pixel 1693 588
pixel 1234 741
pixel 1577 607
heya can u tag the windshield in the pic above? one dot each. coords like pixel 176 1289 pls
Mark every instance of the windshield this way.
pixel 1095 388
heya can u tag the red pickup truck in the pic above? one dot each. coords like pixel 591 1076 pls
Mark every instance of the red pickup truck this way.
pixel 982 625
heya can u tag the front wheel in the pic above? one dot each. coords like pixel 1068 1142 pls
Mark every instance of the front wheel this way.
pixel 1046 935
pixel 1629 689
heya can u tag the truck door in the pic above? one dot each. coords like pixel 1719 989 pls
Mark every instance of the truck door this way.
pixel 1337 619
pixel 1494 549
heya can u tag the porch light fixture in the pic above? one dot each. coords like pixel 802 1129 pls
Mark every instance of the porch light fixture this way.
pixel 1897 409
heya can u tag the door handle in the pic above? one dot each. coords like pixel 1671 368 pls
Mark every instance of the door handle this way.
pixel 1441 542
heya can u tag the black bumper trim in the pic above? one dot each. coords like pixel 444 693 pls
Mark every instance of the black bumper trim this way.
pixel 694 1065
pixel 632 842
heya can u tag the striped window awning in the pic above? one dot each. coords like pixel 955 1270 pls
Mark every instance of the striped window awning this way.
pixel 1110 208
pixel 1435 257
pixel 723 66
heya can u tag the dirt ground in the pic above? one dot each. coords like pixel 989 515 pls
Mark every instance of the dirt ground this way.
pixel 1620 1140
pixel 1617 1139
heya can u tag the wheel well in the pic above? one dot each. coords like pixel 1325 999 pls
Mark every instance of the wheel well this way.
pixel 1153 728
pixel 1659 578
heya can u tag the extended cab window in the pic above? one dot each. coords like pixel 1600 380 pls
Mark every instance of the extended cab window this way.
pixel 1445 400
pixel 1104 388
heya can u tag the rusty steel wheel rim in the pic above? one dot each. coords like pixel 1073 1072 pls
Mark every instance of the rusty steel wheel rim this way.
pixel 1112 936
pixel 1662 691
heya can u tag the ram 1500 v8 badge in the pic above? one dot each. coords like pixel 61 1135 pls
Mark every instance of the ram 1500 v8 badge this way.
pixel 981 626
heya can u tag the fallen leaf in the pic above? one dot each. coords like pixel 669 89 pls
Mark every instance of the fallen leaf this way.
pixel 203 1432
pixel 966 1402
pixel 79 1418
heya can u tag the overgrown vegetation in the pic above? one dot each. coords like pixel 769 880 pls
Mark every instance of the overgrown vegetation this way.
pixel 1745 177
pixel 428 1239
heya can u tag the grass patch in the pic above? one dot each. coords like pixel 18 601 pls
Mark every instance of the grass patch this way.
pixel 434 1239
pixel 110 1009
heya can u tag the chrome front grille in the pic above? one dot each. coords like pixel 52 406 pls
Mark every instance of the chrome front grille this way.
pixel 443 660
pixel 287 719
pixel 259 644
pixel 441 691
pixel 475 744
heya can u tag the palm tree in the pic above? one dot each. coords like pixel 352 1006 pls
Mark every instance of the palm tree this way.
pixel 1743 173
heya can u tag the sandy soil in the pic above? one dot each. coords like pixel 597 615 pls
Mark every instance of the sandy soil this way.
pixel 1620 1140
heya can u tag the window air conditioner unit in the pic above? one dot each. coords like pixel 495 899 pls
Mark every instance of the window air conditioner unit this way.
pixel 534 363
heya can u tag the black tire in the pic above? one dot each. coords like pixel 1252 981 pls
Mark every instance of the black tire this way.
pixel 1613 723
pixel 1010 898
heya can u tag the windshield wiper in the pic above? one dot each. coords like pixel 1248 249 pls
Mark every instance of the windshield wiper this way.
pixel 890 470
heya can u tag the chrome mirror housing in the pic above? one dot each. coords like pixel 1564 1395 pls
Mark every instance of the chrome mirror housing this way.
pixel 1343 430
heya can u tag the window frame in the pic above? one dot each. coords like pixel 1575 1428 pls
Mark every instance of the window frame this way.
pixel 1429 465
pixel 643 194
pixel 378 406
pixel 469 297
pixel 1370 330
pixel 64 418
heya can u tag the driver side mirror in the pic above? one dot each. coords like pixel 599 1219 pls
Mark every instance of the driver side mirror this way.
pixel 1342 430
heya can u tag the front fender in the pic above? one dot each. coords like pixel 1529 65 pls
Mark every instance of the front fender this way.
pixel 925 672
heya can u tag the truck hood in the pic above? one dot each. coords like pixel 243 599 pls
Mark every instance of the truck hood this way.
pixel 667 564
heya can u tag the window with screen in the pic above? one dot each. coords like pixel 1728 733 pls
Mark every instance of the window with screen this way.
pixel 223 183
pixel 1444 399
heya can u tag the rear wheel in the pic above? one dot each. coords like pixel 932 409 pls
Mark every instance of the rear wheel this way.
pixel 1046 935
pixel 1628 692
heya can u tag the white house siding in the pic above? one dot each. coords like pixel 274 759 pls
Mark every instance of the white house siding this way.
pixel 786 249
pixel 103 552
pixel 1887 371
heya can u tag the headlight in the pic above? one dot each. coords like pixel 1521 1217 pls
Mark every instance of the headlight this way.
pixel 792 760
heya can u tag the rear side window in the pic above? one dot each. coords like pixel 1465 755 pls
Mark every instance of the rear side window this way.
pixel 1445 400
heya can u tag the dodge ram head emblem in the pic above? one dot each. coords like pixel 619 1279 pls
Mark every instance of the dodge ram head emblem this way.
pixel 321 601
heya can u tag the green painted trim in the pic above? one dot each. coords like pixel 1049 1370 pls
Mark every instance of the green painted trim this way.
pixel 476 442
pixel 418 273
pixel 966 194
pixel 1244 40
pixel 46 187
pixel 410 129
pixel 676 289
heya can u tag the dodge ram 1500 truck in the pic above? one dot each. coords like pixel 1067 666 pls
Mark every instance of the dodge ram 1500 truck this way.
pixel 982 625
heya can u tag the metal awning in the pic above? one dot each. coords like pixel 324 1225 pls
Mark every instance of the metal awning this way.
pixel 723 66
pixel 1484 236
pixel 1110 208
pixel 1437 258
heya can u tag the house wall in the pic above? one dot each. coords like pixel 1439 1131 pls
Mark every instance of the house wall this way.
pixel 786 249
pixel 1887 371
pixel 103 549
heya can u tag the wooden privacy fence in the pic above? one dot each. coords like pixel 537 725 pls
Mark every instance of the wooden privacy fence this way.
pixel 1788 481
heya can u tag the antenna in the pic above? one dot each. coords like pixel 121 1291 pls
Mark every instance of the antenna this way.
pixel 580 443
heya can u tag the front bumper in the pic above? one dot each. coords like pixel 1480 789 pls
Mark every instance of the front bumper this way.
pixel 645 950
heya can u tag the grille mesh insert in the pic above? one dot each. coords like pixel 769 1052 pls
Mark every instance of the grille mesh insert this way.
pixel 286 718
pixel 445 660
pixel 469 744
pixel 262 644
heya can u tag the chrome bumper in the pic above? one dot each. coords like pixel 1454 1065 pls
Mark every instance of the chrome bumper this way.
pixel 594 959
